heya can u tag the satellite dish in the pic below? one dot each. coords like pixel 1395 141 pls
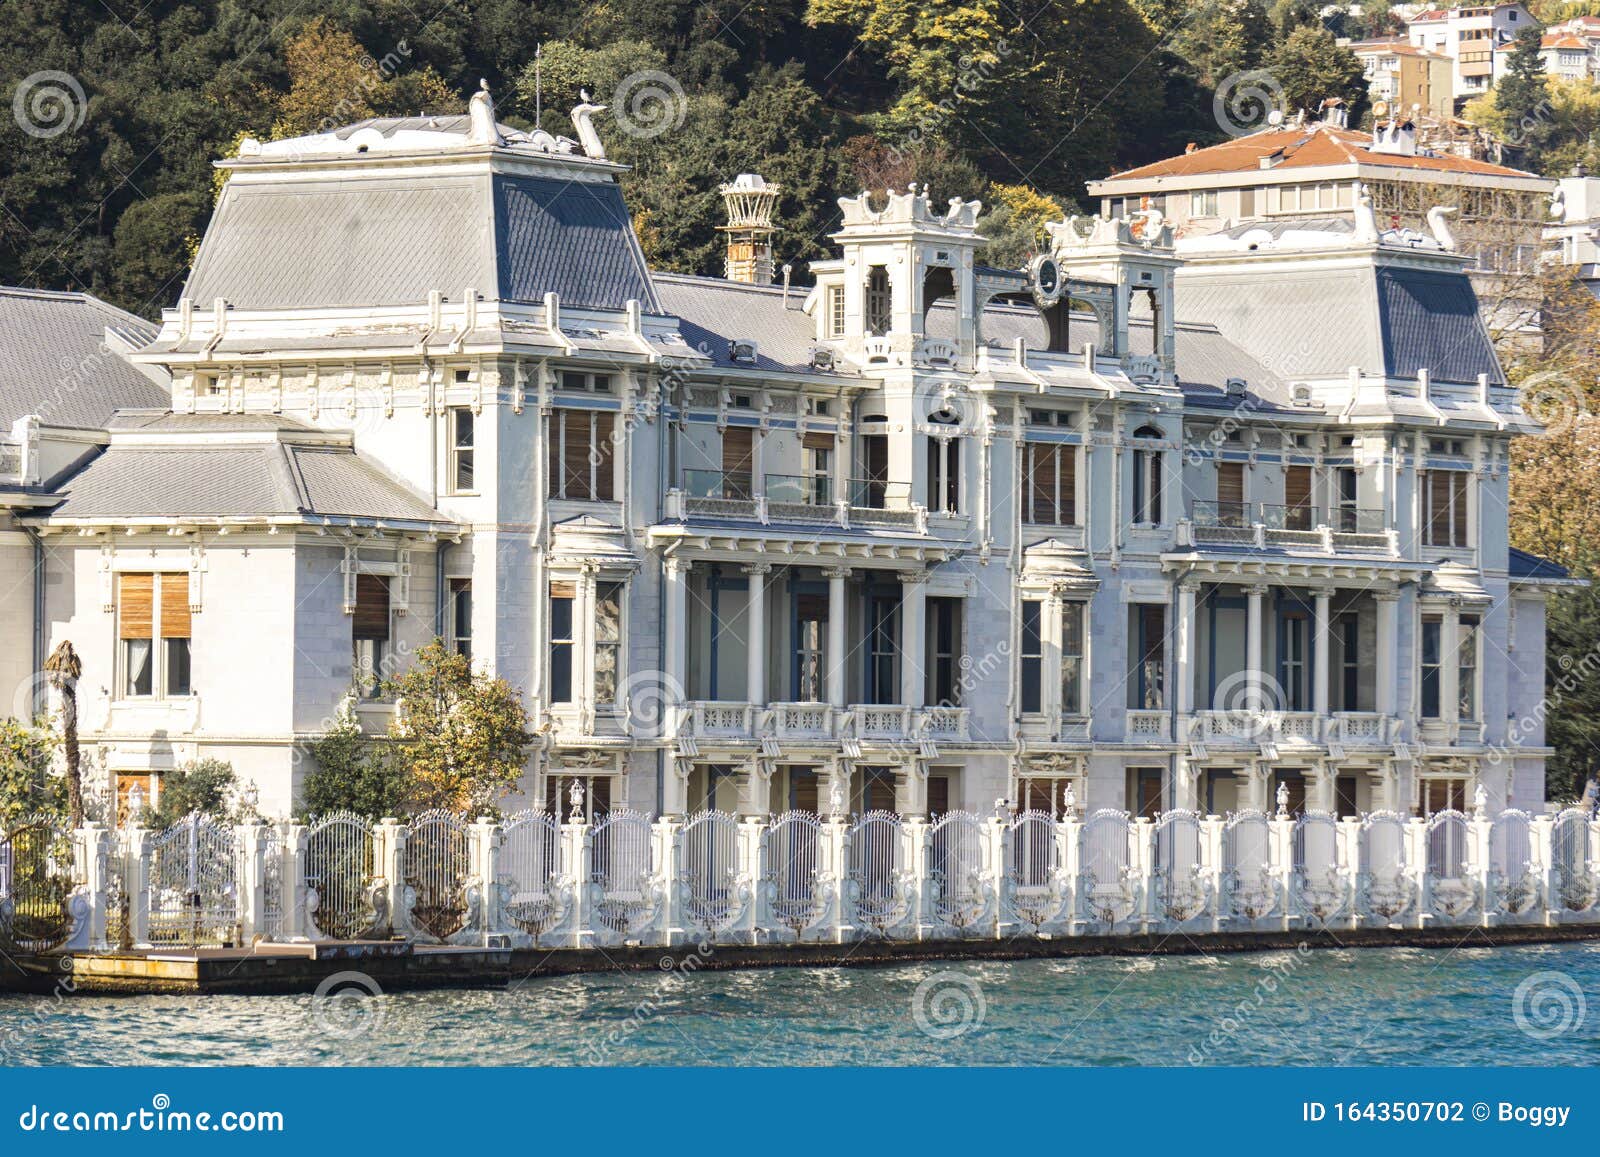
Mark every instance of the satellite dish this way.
pixel 1275 117
pixel 1380 109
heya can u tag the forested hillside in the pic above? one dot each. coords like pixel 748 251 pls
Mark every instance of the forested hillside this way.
pixel 1008 99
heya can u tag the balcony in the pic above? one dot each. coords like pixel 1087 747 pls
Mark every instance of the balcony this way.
pixel 943 722
pixel 1359 729
pixel 880 720
pixel 801 720
pixel 1149 726
pixel 1292 728
pixel 711 720
pixel 796 498
pixel 1261 525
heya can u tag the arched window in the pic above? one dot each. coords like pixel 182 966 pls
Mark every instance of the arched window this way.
pixel 944 465
pixel 1147 477
pixel 936 283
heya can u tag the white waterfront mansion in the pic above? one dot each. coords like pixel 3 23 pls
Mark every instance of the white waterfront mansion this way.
pixel 1169 527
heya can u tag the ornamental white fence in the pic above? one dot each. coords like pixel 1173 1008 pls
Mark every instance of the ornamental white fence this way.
pixel 530 880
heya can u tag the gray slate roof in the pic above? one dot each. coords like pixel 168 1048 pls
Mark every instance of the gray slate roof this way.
pixel 330 243
pixel 1389 322
pixel 713 313
pixel 254 479
pixel 1530 566
pixel 54 361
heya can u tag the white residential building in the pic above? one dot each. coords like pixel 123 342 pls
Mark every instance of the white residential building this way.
pixel 1172 526
pixel 1469 36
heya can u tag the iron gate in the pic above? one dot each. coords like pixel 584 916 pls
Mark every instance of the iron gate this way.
pixel 1318 884
pixel 436 867
pixel 622 871
pixel 879 896
pixel 1452 886
pixel 1385 889
pixel 1179 879
pixel 1034 891
pixel 1103 866
pixel 1247 865
pixel 708 871
pixel 272 890
pixel 1573 860
pixel 1513 864
pixel 535 899
pixel 35 886
pixel 194 885
pixel 793 870
pixel 339 877
pixel 955 870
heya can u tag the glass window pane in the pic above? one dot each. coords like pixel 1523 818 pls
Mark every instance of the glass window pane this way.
pixel 177 666
pixel 136 660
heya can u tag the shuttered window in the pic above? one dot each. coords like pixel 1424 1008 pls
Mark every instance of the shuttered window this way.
pixel 581 453
pixel 153 629
pixel 1051 480
pixel 1445 507
pixel 738 461
pixel 372 607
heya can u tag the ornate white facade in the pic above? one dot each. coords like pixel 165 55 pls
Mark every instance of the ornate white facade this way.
pixel 1167 527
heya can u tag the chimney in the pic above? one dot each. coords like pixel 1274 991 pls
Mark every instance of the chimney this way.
pixel 1397 138
pixel 750 201
pixel 1191 147
pixel 1335 113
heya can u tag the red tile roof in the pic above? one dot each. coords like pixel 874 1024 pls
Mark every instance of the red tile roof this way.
pixel 1304 147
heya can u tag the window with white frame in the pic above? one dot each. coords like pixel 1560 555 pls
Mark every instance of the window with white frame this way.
pixel 461 450
pixel 836 311
pixel 563 640
pixel 369 634
pixel 1147 481
pixel 595 634
pixel 1203 203
pixel 154 632
pixel 944 465
pixel 461 617
pixel 1431 667
pixel 607 641
pixel 1032 657
pixel 1467 667
pixel 1050 482
pixel 1072 658
pixel 1444 515
pixel 581 455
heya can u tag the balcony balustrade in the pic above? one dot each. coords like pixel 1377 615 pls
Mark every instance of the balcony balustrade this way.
pixel 802 498
pixel 1261 525
pixel 1149 726
pixel 943 722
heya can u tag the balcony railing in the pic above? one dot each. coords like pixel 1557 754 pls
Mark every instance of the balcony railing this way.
pixel 879 494
pixel 799 489
pixel 1266 524
pixel 1148 725
pixel 720 485
pixel 796 498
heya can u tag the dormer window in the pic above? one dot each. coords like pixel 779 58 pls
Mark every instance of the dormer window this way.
pixel 742 351
pixel 879 302
pixel 836 311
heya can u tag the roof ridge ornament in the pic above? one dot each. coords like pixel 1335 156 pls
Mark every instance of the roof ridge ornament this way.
pixel 1366 217
pixel 582 120
pixel 1439 226
pixel 480 112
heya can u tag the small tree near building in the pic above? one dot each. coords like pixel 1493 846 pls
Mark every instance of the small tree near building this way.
pixel 461 734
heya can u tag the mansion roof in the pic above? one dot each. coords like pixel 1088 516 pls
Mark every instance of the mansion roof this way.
pixel 58 364
pixel 234 467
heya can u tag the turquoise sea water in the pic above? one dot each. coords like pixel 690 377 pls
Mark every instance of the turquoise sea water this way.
pixel 1397 1006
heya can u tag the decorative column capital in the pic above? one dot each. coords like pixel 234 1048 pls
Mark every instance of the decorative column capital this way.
pixel 836 572
pixel 1386 596
pixel 912 577
pixel 757 568
pixel 1257 590
pixel 677 567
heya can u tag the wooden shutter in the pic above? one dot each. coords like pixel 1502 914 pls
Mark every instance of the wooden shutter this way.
pixel 738 449
pixel 135 605
pixel 175 606
pixel 372 607
pixel 1438 507
pixel 1041 483
pixel 575 457
pixel 1459 523
pixel 1230 485
pixel 1067 484
pixel 604 425
pixel 1297 486
pixel 817 440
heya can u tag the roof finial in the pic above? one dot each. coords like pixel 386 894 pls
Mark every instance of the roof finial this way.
pixel 482 129
pixel 538 86
pixel 587 136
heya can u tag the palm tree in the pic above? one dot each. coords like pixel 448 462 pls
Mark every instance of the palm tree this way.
pixel 64 668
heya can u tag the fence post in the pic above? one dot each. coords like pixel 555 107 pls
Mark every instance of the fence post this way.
pixel 1482 836
pixel 88 873
pixel 914 834
pixel 296 927
pixel 251 881
pixel 483 853
pixel 834 855
pixel 1281 851
pixel 750 924
pixel 138 886
pixel 1067 855
pixel 664 834
pixel 1142 861
pixel 1211 845
pixel 1417 867
pixel 997 866
pixel 577 848
pixel 389 863
pixel 1544 849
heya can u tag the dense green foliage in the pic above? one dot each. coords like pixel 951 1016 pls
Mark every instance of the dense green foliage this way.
pixel 352 773
pixel 823 96
pixel 207 786
pixel 28 786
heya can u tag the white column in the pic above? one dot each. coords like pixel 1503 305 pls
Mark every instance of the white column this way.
pixel 756 644
pixel 677 624
pixel 1253 685
pixel 1388 651
pixel 1320 652
pixel 1186 640
pixel 1450 665
pixel 836 613
pixel 913 646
